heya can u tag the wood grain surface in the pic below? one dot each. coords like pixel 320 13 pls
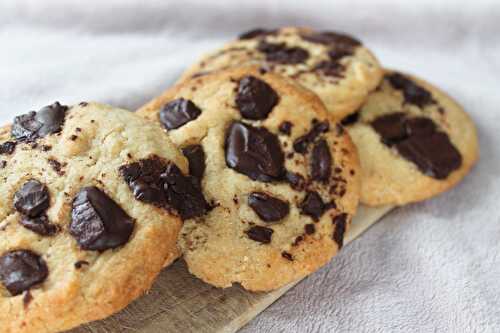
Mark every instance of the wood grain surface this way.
pixel 179 302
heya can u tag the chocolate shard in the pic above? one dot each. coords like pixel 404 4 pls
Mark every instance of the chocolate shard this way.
pixel 178 112
pixel 321 161
pixel 301 144
pixel 196 158
pixel 39 224
pixel 412 92
pixel 7 147
pixel 268 208
pixel 313 205
pixel 254 151
pixel 339 222
pixel 260 234
pixel 32 198
pixel 183 193
pixel 282 54
pixel 98 223
pixel 34 125
pixel 22 269
pixel 255 98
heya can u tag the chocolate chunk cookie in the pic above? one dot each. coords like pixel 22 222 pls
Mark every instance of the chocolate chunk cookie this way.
pixel 335 66
pixel 271 204
pixel 414 141
pixel 78 241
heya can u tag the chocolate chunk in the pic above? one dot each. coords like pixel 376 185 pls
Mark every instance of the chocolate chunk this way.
pixel 419 141
pixel 310 229
pixel 143 179
pixel 32 198
pixel 255 98
pixel 254 151
pixel 22 269
pixel 412 92
pixel 27 298
pixel 7 148
pixel 97 222
pixel 280 53
pixel 260 234
pixel 183 193
pixel 332 38
pixel 350 119
pixel 178 112
pixel 302 143
pixel 287 255
pixel 34 125
pixel 268 208
pixel 285 127
pixel 296 181
pixel 330 68
pixel 80 263
pixel 339 222
pixel 3 164
pixel 258 32
pixel 39 224
pixel 313 205
pixel 196 158
pixel 321 162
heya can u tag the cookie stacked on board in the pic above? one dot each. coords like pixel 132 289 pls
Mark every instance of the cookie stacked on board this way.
pixel 251 168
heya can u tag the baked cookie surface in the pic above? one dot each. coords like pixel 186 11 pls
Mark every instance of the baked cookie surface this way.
pixel 336 67
pixel 414 141
pixel 76 243
pixel 281 177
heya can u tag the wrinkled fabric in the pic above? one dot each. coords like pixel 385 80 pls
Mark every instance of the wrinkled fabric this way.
pixel 427 267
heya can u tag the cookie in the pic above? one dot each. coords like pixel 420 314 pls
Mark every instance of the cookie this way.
pixel 413 140
pixel 86 220
pixel 337 67
pixel 280 176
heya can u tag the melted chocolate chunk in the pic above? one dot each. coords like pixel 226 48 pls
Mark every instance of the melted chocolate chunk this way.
pixel 39 224
pixel 313 205
pixel 412 92
pixel 7 148
pixel 280 53
pixel 419 141
pixel 287 255
pixel 330 68
pixel 339 222
pixel 22 269
pixel 255 98
pixel 143 179
pixel 178 112
pixel 183 193
pixel 302 143
pixel 97 222
pixel 296 181
pixel 310 229
pixel 350 119
pixel 34 125
pixel 260 234
pixel 321 162
pixel 332 38
pixel 32 198
pixel 285 127
pixel 196 158
pixel 254 151
pixel 268 208
pixel 258 32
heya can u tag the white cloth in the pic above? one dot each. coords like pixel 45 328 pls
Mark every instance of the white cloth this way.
pixel 433 266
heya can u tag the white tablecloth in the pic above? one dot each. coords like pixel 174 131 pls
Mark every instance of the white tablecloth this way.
pixel 433 266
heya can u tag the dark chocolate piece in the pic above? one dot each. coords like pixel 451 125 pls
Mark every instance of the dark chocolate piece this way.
pixel 313 205
pixel 32 198
pixel 34 125
pixel 268 208
pixel 339 222
pixel 285 127
pixel 196 158
pixel 412 92
pixel 321 161
pixel 39 224
pixel 260 234
pixel 8 147
pixel 302 143
pixel 255 98
pixel 22 269
pixel 280 53
pixel 178 112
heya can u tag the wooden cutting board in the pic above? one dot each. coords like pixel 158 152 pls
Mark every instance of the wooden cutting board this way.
pixel 179 302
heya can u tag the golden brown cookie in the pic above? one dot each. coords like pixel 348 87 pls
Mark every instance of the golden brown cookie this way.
pixel 336 67
pixel 413 140
pixel 82 232
pixel 281 177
